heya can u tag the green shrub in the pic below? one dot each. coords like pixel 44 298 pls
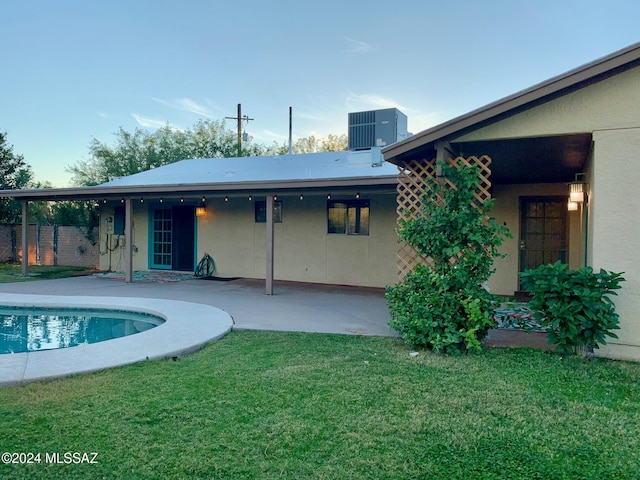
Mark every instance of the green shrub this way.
pixel 443 306
pixel 574 306
pixel 428 312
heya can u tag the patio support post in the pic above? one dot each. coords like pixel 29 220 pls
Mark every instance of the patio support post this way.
pixel 443 152
pixel 25 240
pixel 269 273
pixel 128 235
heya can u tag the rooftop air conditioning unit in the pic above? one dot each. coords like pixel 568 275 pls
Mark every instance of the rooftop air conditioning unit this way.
pixel 376 128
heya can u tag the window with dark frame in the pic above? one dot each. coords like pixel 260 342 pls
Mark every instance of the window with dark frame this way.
pixel 348 217
pixel 261 211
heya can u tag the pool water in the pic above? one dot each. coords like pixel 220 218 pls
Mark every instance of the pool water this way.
pixel 31 329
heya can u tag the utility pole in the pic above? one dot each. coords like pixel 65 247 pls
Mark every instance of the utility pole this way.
pixel 240 118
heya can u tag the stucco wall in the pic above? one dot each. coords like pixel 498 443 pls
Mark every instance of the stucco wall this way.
pixel 303 251
pixel 507 211
pixel 112 246
pixel 610 111
pixel 615 203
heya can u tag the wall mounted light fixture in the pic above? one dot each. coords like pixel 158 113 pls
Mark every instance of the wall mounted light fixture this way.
pixel 577 188
pixel 201 210
pixel 577 192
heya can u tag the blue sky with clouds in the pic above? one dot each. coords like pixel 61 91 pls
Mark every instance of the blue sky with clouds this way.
pixel 73 70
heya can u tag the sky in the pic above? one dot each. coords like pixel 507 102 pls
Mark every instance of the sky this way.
pixel 75 70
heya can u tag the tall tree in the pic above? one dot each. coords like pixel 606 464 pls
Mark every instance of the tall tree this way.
pixel 15 173
pixel 311 144
pixel 143 150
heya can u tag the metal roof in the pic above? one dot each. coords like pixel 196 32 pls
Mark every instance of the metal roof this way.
pixel 296 167
pixel 273 173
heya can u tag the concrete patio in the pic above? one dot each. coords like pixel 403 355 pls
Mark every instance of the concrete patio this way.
pixel 294 307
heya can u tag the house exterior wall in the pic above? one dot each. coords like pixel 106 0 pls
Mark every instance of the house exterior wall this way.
pixel 609 110
pixel 303 250
pixel 507 211
pixel 614 242
pixel 112 246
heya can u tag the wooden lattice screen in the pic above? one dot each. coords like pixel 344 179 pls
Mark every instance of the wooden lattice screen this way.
pixel 411 187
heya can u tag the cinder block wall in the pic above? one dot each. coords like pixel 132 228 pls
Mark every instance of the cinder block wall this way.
pixel 74 249
pixel 49 245
pixel 7 252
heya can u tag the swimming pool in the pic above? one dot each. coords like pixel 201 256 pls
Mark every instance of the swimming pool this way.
pixel 25 329
pixel 187 327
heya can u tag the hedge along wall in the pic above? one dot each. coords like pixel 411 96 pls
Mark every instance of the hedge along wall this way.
pixel 49 245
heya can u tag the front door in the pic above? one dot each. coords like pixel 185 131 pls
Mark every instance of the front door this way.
pixel 543 231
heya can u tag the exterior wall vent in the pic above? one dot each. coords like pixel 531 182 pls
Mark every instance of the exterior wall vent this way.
pixel 376 128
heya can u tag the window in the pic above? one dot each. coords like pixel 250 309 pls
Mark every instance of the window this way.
pixel 348 217
pixel 261 211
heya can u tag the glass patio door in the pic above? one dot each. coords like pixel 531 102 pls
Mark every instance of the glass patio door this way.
pixel 543 232
pixel 161 244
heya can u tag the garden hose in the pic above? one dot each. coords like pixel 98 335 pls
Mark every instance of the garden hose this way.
pixel 206 267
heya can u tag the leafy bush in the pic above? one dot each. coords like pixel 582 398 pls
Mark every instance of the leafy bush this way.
pixel 428 312
pixel 443 306
pixel 574 306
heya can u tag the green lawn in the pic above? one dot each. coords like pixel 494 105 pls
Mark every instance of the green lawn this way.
pixel 12 272
pixel 287 405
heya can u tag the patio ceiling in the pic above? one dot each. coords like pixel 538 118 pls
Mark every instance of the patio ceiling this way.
pixel 532 160
pixel 548 159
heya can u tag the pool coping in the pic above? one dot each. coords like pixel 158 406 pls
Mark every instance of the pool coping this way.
pixel 188 326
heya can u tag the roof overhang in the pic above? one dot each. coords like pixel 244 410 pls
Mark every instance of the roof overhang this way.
pixel 195 189
pixel 422 145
